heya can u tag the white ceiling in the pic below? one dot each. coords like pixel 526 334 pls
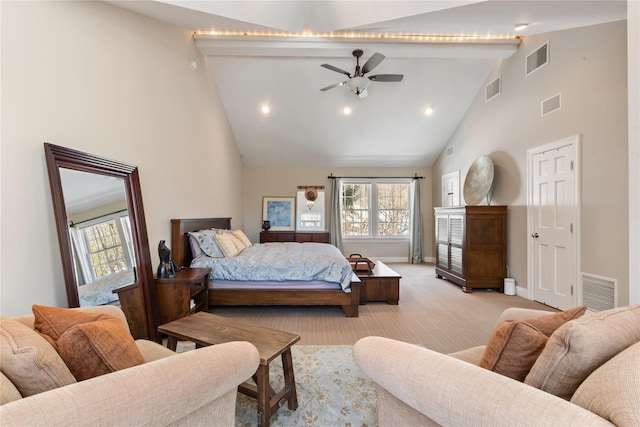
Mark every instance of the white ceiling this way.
pixel 306 127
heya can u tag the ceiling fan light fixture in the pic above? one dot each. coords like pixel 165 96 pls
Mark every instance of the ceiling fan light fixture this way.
pixel 358 84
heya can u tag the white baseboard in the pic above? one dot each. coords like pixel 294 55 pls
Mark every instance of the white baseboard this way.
pixel 402 259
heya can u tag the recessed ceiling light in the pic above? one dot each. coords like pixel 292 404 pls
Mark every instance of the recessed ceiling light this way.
pixel 429 110
pixel 520 27
pixel 346 111
pixel 265 109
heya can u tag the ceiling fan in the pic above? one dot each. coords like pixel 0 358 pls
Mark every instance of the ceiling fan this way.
pixel 358 83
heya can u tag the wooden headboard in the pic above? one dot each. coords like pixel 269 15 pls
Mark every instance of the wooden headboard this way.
pixel 180 249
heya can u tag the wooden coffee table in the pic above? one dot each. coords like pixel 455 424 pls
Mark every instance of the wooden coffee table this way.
pixel 380 284
pixel 208 329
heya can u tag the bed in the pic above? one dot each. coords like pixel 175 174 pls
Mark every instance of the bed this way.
pixel 229 292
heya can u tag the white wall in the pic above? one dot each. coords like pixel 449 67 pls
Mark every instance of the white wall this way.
pixel 588 66
pixel 96 78
pixel 260 182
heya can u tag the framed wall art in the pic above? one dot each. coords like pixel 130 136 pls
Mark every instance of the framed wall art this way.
pixel 280 212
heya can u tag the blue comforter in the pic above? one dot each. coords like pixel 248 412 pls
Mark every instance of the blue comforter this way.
pixel 282 262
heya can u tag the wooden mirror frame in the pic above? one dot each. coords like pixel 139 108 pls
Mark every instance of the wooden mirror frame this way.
pixel 61 157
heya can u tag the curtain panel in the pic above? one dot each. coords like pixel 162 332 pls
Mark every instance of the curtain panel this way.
pixel 335 225
pixel 416 252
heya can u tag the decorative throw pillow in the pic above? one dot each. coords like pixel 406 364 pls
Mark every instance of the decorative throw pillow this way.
pixel 606 391
pixel 579 347
pixel 207 243
pixel 239 234
pixel 90 344
pixel 29 361
pixel 228 244
pixel 514 346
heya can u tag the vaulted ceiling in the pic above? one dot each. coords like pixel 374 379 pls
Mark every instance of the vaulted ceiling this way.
pixel 270 53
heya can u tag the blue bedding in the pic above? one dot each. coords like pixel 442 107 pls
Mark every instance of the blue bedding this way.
pixel 282 262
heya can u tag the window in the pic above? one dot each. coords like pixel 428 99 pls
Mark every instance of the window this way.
pixel 106 244
pixel 378 208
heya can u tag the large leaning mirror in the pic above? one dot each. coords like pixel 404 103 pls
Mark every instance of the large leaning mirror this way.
pixel 102 235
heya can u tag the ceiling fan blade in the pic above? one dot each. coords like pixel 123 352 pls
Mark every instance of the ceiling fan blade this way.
pixel 372 63
pixel 386 78
pixel 332 86
pixel 336 69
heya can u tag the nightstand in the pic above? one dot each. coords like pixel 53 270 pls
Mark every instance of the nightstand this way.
pixel 184 294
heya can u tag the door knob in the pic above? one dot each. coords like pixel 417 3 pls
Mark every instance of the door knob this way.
pixel 535 235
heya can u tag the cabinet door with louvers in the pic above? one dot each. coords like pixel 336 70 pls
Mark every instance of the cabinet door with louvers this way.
pixel 456 243
pixel 442 241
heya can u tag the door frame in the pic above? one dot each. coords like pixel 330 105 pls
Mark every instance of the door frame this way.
pixel 574 141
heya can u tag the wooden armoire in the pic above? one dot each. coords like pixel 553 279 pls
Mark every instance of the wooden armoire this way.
pixel 471 246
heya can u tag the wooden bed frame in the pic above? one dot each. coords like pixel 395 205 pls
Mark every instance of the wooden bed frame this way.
pixel 181 254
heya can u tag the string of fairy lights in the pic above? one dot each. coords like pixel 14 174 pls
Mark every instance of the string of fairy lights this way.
pixel 363 36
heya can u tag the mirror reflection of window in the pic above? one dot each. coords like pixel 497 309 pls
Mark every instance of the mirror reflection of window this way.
pixel 100 232
pixel 310 213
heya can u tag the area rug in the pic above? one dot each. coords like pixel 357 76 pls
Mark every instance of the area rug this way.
pixel 332 391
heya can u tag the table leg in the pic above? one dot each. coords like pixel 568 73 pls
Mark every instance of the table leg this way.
pixel 264 400
pixel 172 343
pixel 289 379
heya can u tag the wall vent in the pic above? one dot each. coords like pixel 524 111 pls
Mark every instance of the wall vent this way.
pixel 450 151
pixel 599 293
pixel 537 58
pixel 493 89
pixel 549 105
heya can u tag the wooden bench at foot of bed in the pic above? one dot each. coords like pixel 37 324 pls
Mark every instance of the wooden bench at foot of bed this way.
pixel 348 301
pixel 181 254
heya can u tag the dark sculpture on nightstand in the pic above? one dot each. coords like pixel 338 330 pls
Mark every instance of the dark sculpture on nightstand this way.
pixel 166 267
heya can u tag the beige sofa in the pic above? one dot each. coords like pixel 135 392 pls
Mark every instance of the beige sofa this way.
pixel 195 388
pixel 417 386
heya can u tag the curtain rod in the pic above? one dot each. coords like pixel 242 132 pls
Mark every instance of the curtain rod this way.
pixel 376 177
pixel 71 224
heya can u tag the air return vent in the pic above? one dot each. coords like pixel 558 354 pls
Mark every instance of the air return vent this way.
pixel 450 151
pixel 599 293
pixel 549 105
pixel 493 89
pixel 537 58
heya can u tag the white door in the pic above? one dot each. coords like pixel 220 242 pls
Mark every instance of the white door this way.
pixel 451 189
pixel 553 214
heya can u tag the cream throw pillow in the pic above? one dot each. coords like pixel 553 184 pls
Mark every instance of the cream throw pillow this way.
pixel 579 347
pixel 29 361
pixel 606 392
pixel 239 234
pixel 228 243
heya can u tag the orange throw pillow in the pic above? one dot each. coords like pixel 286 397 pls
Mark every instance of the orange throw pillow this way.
pixel 90 344
pixel 514 346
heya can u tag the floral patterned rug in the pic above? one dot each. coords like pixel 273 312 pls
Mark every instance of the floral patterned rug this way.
pixel 332 391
